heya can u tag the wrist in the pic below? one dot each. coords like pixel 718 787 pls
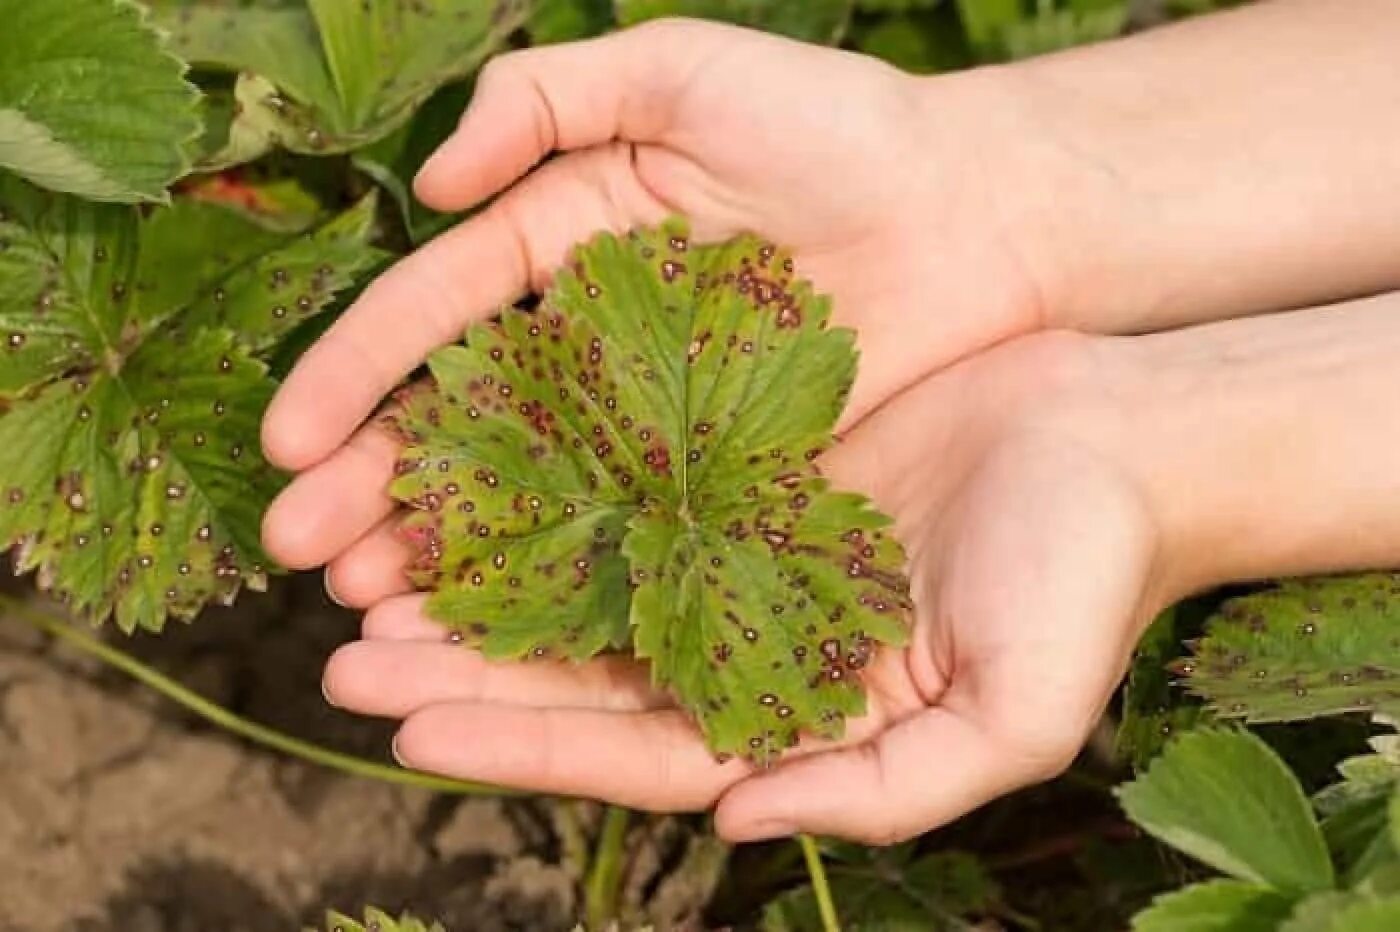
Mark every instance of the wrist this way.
pixel 1270 446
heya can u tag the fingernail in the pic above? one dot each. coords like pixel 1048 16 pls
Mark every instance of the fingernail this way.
pixel 326 694
pixel 394 750
pixel 330 589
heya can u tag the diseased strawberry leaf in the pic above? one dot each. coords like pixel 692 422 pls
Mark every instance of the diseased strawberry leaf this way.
pixel 330 76
pixel 633 464
pixel 131 387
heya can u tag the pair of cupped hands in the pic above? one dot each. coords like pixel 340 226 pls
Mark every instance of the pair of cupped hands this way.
pixel 1021 455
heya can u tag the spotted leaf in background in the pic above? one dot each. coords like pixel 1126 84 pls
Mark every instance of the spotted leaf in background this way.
pixel 1305 648
pixel 330 76
pixel 633 465
pixel 131 387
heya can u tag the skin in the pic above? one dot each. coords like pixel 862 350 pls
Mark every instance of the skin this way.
pixel 1082 482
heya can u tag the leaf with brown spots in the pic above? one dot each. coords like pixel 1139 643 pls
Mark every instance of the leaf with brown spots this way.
pixel 1304 648
pixel 632 465
pixel 131 387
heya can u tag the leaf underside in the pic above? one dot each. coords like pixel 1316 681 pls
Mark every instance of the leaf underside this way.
pixel 330 76
pixel 1302 649
pixel 632 464
pixel 90 102
pixel 131 388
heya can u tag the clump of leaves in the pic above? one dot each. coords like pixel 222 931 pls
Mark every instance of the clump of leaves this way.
pixel 633 465
pixel 90 102
pixel 329 76
pixel 1223 797
pixel 376 920
pixel 1302 649
pixel 132 381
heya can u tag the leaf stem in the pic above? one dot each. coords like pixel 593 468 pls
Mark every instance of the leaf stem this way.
pixel 821 889
pixel 227 720
pixel 606 870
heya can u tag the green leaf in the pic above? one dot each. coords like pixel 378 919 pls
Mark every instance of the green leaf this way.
pixel 1223 797
pixel 936 893
pixel 924 41
pixel 1052 30
pixel 1152 710
pixel 630 463
pixel 822 21
pixel 90 102
pixel 1371 916
pixel 333 76
pixel 1302 649
pixel 131 388
pixel 394 160
pixel 1315 913
pixel 376 920
pixel 1216 906
pixel 568 20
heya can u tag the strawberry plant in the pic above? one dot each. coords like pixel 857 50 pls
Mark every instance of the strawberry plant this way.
pixel 191 190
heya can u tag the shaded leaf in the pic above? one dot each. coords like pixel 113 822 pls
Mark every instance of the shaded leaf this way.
pixel 629 465
pixel 568 20
pixel 90 101
pixel 923 42
pixel 132 388
pixel 1302 649
pixel 1225 798
pixel 333 76
pixel 1216 906
pixel 394 160
pixel 935 893
pixel 822 21
pixel 1154 711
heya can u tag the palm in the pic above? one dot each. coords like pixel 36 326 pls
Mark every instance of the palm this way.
pixel 1030 564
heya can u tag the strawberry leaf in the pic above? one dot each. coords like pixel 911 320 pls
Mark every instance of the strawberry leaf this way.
pixel 131 387
pixel 90 101
pixel 633 463
pixel 330 76
pixel 810 20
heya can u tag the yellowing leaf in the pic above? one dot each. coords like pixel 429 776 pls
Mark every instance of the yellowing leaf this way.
pixel 633 465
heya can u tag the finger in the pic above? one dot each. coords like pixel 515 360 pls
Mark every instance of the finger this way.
pixel 429 298
pixel 533 102
pixel 372 568
pixel 401 618
pixel 923 772
pixel 654 760
pixel 397 678
pixel 329 507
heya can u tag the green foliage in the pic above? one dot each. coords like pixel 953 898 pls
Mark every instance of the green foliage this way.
pixel 90 102
pixel 1302 649
pixel 1224 798
pixel 812 20
pixel 1216 906
pixel 376 920
pixel 566 20
pixel 892 891
pixel 1152 709
pixel 1011 29
pixel 132 380
pixel 633 443
pixel 332 76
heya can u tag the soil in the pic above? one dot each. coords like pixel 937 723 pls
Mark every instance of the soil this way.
pixel 121 813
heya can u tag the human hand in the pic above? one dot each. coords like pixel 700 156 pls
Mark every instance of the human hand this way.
pixel 1031 549
pixel 887 194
